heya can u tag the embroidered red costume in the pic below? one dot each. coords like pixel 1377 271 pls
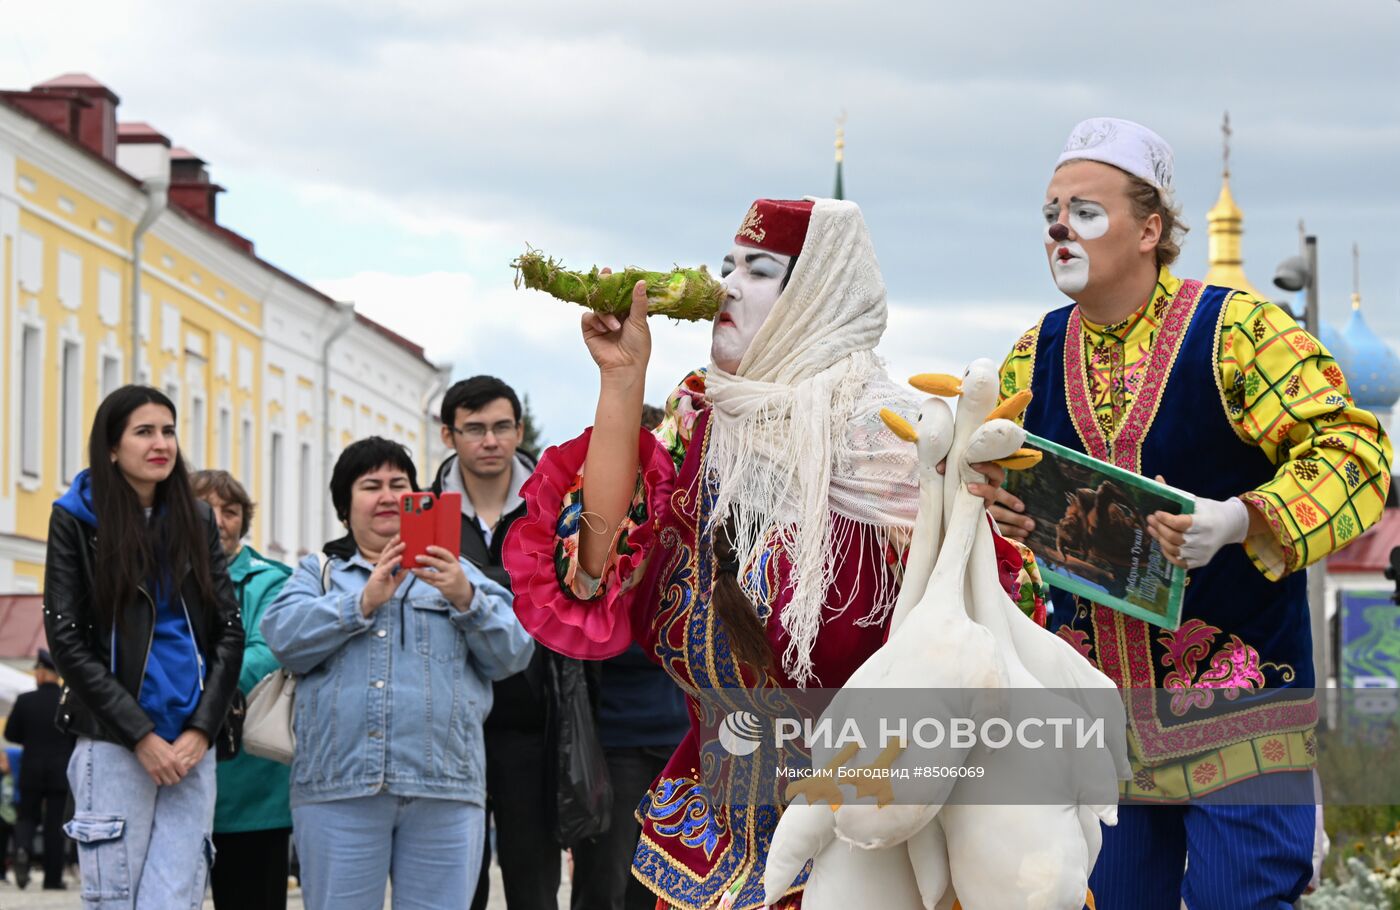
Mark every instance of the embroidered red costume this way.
pixel 655 589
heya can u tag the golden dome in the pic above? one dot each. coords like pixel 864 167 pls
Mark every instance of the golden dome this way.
pixel 1225 208
pixel 1226 226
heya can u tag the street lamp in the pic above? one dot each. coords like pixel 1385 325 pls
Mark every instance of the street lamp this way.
pixel 1297 273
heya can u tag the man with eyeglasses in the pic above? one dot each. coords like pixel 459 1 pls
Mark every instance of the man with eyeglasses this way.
pixel 481 423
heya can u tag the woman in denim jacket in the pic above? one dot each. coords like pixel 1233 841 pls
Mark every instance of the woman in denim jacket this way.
pixel 394 672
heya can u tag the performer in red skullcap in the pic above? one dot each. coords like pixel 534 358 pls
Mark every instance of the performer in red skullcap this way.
pixel 750 545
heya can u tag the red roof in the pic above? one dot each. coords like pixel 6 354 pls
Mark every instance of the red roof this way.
pixel 79 82
pixel 110 166
pixel 138 132
pixel 72 80
pixel 1371 551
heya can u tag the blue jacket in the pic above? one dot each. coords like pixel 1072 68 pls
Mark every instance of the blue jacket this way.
pixel 393 702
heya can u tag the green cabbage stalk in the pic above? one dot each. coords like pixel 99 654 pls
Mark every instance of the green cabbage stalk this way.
pixel 691 294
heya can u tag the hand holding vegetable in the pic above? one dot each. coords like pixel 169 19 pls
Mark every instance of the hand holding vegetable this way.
pixel 691 294
pixel 621 344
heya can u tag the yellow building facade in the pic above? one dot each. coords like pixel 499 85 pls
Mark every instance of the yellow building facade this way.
pixel 67 266
pixel 75 192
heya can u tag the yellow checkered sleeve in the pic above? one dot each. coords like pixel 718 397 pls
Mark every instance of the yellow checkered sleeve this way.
pixel 1016 368
pixel 1284 393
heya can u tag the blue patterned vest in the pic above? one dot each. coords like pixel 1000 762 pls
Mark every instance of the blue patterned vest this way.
pixel 1197 688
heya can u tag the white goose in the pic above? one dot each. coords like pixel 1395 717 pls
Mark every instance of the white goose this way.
pixel 923 627
pixel 844 875
pixel 961 656
pixel 1022 856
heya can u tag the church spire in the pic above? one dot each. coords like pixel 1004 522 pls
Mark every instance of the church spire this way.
pixel 840 155
pixel 1355 276
pixel 1226 133
pixel 1226 226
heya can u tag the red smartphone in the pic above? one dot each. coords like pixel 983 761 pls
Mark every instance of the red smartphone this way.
pixel 428 520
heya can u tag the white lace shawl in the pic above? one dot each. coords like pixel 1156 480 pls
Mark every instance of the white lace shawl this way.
pixel 796 446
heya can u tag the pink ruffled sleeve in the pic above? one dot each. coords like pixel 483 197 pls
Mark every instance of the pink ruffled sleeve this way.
pixel 552 601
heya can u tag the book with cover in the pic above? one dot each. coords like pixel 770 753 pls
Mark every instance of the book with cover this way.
pixel 1090 534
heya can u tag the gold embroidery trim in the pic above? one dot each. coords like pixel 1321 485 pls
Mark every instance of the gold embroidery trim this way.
pixel 752 227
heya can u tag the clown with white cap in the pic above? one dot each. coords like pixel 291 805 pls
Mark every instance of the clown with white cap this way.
pixel 1224 396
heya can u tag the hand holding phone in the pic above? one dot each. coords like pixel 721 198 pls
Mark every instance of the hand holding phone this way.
pixel 431 527
pixel 428 520
pixel 383 580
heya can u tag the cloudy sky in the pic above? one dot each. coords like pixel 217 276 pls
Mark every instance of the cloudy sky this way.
pixel 401 154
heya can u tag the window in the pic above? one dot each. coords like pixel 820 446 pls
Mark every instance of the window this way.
pixel 304 498
pixel 31 262
pixel 245 367
pixel 223 356
pixel 70 279
pixel 31 430
pixel 274 491
pixel 245 443
pixel 111 374
pixel 225 440
pixel 169 328
pixel 199 432
pixel 109 297
pixel 71 415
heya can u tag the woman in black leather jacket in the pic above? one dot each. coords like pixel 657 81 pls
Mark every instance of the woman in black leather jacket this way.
pixel 143 623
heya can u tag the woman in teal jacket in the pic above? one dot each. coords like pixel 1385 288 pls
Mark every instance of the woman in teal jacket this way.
pixel 252 815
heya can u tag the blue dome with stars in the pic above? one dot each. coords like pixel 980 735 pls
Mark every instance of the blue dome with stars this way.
pixel 1371 367
pixel 1336 345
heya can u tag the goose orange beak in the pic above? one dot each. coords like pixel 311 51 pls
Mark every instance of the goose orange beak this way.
pixel 1021 459
pixel 899 426
pixel 1012 407
pixel 940 384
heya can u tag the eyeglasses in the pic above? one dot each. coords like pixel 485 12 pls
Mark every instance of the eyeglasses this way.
pixel 476 432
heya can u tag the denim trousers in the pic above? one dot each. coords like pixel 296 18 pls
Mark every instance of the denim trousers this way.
pixel 141 846
pixel 350 848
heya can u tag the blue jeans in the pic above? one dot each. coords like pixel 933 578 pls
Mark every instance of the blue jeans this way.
pixel 350 848
pixel 122 818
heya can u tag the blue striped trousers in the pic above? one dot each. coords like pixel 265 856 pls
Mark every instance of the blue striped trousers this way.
pixel 1217 854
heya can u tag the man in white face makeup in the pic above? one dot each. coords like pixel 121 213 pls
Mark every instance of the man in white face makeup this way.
pixel 743 545
pixel 1226 397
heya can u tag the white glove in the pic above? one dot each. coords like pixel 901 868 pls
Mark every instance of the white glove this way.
pixel 1215 524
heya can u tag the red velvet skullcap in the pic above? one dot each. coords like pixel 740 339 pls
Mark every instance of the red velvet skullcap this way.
pixel 776 225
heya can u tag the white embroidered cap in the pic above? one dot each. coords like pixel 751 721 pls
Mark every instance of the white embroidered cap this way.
pixel 1124 144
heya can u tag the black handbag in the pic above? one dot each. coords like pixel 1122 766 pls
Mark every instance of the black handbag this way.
pixel 229 740
pixel 583 792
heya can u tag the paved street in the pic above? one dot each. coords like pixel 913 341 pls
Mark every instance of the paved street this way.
pixel 11 898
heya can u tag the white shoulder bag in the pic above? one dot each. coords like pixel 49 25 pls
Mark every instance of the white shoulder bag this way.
pixel 267 726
